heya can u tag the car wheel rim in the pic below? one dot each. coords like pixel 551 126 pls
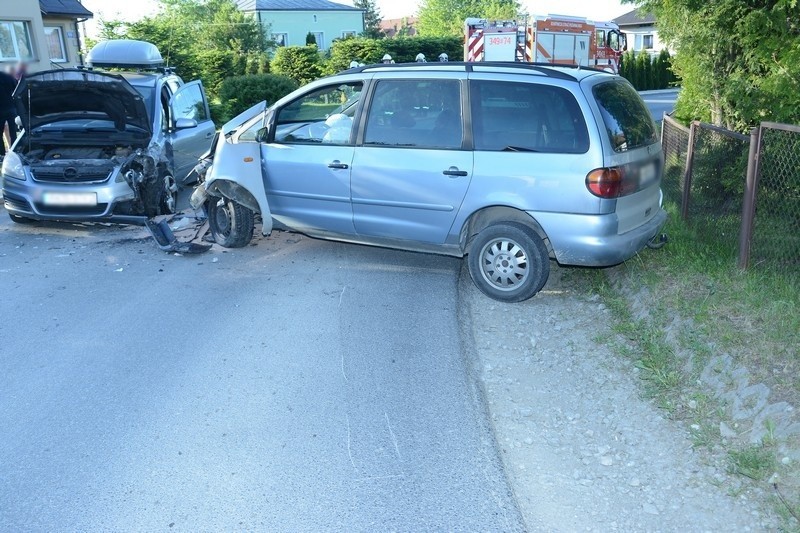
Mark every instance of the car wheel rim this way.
pixel 223 218
pixel 504 264
pixel 171 188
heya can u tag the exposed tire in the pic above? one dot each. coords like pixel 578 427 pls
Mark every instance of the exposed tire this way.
pixel 231 224
pixel 508 261
pixel 21 220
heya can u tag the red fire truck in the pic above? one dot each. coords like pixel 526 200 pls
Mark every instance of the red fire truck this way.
pixel 551 39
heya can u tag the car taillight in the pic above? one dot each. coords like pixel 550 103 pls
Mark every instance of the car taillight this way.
pixel 606 182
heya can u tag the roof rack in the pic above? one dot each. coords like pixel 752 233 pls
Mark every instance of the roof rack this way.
pixel 541 68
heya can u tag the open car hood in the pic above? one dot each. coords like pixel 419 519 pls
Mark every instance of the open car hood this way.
pixel 69 94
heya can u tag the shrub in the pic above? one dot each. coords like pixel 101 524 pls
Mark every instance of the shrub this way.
pixel 239 93
pixel 301 63
pixel 402 50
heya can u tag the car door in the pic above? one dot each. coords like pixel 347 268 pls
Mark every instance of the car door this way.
pixel 410 170
pixel 191 130
pixel 307 163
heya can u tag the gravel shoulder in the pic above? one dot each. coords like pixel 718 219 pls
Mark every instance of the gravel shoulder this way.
pixel 582 448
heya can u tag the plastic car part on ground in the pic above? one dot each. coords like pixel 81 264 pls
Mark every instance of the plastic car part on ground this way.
pixel 168 242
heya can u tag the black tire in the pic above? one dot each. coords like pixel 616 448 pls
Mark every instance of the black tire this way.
pixel 21 220
pixel 508 261
pixel 231 224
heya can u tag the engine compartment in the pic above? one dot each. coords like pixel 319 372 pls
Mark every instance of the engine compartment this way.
pixel 51 152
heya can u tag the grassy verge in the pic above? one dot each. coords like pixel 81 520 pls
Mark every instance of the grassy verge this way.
pixel 675 310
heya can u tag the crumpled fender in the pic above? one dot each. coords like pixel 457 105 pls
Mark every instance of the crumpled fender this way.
pixel 236 173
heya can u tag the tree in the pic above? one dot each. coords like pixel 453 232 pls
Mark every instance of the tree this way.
pixel 738 60
pixel 442 18
pixel 207 39
pixel 372 18
pixel 303 64
pixel 311 39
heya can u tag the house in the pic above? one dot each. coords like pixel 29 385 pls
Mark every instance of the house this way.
pixel 43 34
pixel 290 21
pixel 402 27
pixel 641 31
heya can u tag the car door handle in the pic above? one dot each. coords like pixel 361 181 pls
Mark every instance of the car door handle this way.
pixel 338 165
pixel 454 172
pixel 209 135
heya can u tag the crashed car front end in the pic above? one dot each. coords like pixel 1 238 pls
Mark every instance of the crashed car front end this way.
pixel 87 153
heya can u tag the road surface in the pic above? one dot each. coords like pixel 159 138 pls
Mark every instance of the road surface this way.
pixel 660 102
pixel 296 385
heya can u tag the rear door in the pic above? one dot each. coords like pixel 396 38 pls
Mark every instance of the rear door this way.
pixel 189 102
pixel 634 146
pixel 410 170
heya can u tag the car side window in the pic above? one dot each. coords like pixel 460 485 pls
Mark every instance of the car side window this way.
pixel 527 117
pixel 416 114
pixel 324 116
pixel 189 103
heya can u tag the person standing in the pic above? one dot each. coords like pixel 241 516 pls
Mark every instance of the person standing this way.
pixel 7 110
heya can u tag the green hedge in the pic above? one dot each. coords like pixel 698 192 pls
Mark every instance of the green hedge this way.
pixel 239 93
pixel 402 50
pixel 301 63
pixel 646 73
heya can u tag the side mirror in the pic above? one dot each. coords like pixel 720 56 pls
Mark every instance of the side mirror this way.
pixel 185 124
pixel 262 136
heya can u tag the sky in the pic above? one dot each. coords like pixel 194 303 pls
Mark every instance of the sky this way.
pixel 592 9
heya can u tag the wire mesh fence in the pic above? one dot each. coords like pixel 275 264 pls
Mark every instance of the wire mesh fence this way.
pixel 712 174
pixel 775 240
pixel 675 143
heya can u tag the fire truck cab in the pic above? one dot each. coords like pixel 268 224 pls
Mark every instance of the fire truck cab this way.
pixel 554 39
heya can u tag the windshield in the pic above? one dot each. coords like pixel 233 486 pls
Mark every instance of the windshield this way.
pixel 627 120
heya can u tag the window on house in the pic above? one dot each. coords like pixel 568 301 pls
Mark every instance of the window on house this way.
pixel 319 37
pixel 281 39
pixel 346 34
pixel 15 41
pixel 647 42
pixel 54 37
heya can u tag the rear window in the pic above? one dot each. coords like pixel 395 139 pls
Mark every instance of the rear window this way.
pixel 627 120
pixel 526 117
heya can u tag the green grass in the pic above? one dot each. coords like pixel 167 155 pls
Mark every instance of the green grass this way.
pixel 755 462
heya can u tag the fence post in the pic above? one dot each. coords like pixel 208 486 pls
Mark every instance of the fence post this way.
pixel 687 173
pixel 749 203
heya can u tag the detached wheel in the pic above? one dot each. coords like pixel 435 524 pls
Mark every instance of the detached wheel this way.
pixel 231 224
pixel 21 220
pixel 508 262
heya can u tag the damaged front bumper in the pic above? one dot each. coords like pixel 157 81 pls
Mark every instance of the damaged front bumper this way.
pixel 53 201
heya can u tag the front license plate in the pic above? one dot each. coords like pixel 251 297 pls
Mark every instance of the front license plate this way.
pixel 70 198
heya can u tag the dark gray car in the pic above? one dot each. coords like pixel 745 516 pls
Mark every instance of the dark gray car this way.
pixel 101 145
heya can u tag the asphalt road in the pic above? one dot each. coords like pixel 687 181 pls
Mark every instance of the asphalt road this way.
pixel 660 102
pixel 294 385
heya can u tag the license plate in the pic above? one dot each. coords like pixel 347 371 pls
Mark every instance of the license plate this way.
pixel 647 174
pixel 70 198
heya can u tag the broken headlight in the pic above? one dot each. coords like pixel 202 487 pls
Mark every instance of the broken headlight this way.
pixel 13 167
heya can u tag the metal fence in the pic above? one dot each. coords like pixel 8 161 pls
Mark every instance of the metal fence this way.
pixel 741 194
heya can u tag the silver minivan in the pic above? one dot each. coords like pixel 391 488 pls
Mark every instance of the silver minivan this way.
pixel 511 165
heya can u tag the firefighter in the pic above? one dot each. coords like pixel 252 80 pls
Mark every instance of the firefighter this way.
pixel 421 58
pixel 443 58
pixel 387 59
pixel 354 64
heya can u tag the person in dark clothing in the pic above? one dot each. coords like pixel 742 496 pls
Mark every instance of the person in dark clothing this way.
pixel 7 111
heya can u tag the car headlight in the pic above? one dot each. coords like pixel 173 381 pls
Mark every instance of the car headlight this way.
pixel 13 167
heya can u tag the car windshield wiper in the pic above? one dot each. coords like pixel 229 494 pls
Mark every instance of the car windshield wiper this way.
pixel 518 149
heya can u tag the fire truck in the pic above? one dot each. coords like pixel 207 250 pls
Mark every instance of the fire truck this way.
pixel 553 39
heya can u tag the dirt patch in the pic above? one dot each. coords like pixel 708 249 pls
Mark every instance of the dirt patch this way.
pixel 583 449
